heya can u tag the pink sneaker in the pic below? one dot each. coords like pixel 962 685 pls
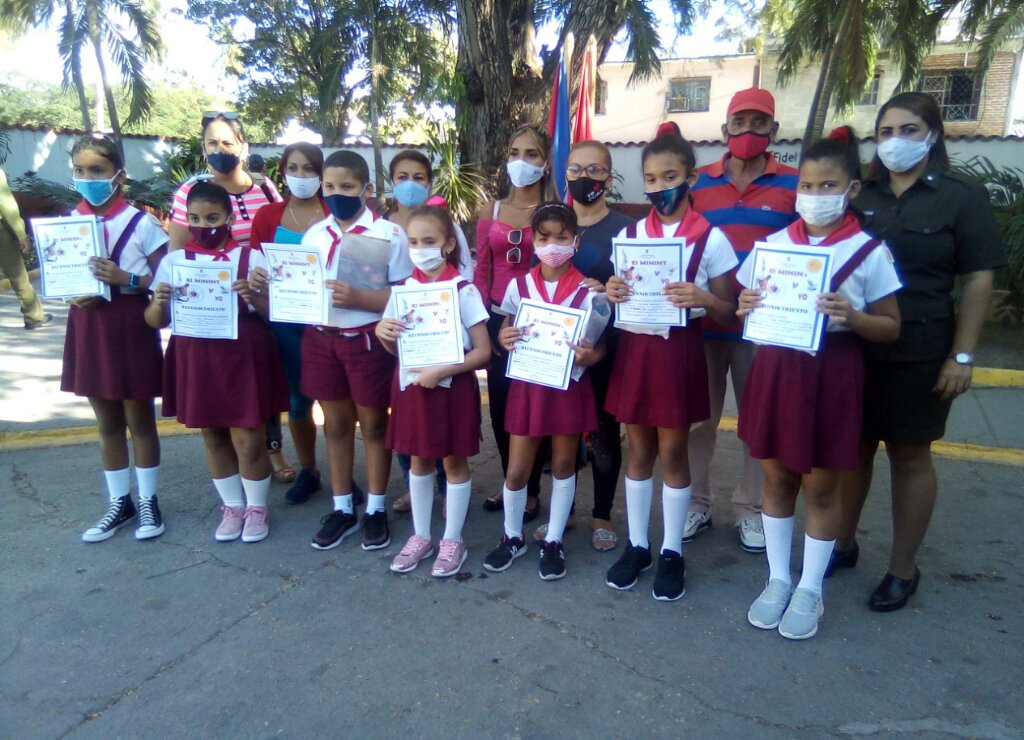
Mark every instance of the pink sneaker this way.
pixel 416 549
pixel 257 524
pixel 452 554
pixel 230 524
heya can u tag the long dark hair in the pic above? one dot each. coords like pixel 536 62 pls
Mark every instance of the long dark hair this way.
pixel 840 148
pixel 925 107
pixel 310 151
pixel 102 145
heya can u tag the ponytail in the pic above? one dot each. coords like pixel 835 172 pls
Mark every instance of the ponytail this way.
pixel 670 139
pixel 839 147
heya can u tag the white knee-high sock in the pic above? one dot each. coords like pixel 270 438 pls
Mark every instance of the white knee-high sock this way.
pixel 563 491
pixel 638 510
pixel 230 491
pixel 515 505
pixel 256 491
pixel 816 555
pixel 675 502
pixel 778 538
pixel 458 507
pixel 119 483
pixel 148 479
pixel 421 498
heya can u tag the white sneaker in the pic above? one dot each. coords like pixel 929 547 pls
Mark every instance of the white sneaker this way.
pixel 695 522
pixel 751 534
pixel 800 622
pixel 767 610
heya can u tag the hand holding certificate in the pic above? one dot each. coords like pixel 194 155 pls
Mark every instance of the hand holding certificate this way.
pixel 297 292
pixel 433 324
pixel 203 304
pixel 789 279
pixel 66 245
pixel 648 267
pixel 543 353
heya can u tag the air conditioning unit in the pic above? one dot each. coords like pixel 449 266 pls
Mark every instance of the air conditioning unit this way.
pixel 678 105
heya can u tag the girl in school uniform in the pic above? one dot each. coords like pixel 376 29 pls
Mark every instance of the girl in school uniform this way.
pixel 659 381
pixel 110 355
pixel 535 411
pixel 801 413
pixel 225 387
pixel 435 411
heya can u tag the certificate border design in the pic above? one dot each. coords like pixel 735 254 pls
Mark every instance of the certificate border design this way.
pixel 445 286
pixel 325 313
pixel 94 224
pixel 580 313
pixel 233 303
pixel 679 244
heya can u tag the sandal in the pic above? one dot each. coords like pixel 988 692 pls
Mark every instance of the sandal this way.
pixel 494 503
pixel 530 514
pixel 283 470
pixel 402 505
pixel 542 531
pixel 604 540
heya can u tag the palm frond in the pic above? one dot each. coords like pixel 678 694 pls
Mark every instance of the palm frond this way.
pixel 1006 24
pixel 644 42
pixel 130 59
pixel 59 193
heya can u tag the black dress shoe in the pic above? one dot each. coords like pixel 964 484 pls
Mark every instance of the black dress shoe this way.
pixel 494 503
pixel 842 559
pixel 530 514
pixel 892 593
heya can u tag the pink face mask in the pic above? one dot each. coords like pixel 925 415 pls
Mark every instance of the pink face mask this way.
pixel 555 255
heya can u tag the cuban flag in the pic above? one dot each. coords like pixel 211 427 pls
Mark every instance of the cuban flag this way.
pixel 559 128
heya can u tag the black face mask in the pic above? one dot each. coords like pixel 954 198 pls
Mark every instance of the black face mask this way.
pixel 586 189
pixel 223 162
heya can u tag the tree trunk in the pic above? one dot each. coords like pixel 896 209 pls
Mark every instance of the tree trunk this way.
pixel 819 102
pixel 378 156
pixel 76 75
pixel 108 92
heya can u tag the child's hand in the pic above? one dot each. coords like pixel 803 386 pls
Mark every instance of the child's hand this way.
pixel 259 280
pixel 241 287
pixel 594 285
pixel 107 271
pixel 749 300
pixel 429 377
pixel 86 301
pixel 586 355
pixel 836 307
pixel 342 293
pixel 686 295
pixel 618 290
pixel 162 294
pixel 387 330
pixel 509 336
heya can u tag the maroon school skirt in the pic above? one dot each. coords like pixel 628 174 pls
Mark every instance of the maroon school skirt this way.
pixel 434 423
pixel 339 368
pixel 660 382
pixel 538 411
pixel 805 410
pixel 110 352
pixel 225 383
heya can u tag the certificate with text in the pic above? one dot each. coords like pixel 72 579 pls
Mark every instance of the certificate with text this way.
pixel 297 294
pixel 433 324
pixel 202 302
pixel 65 245
pixel 543 355
pixel 790 278
pixel 647 267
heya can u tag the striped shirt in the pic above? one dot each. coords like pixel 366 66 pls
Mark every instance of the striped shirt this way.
pixel 244 205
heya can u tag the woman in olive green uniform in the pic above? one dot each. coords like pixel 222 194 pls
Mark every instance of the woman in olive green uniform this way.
pixel 940 229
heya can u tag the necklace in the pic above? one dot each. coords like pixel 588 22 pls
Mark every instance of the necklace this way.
pixel 303 227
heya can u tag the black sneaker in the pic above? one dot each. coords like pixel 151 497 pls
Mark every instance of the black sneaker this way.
pixel 335 527
pixel 32 326
pixel 151 523
pixel 670 580
pixel 627 569
pixel 305 485
pixel 552 561
pixel 501 557
pixel 376 535
pixel 119 513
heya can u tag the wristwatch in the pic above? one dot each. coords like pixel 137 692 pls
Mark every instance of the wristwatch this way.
pixel 963 358
pixel 133 283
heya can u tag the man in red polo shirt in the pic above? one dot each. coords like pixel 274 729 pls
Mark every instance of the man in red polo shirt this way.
pixel 748 194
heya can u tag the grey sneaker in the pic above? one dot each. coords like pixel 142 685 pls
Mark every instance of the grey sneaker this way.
pixel 766 611
pixel 695 522
pixel 800 622
pixel 751 534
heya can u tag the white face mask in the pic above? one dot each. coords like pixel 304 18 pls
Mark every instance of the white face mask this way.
pixel 822 210
pixel 302 187
pixel 900 155
pixel 523 174
pixel 427 258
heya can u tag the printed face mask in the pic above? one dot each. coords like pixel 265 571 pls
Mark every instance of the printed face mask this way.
pixel 555 255
pixel 586 189
pixel 901 155
pixel 302 187
pixel 411 194
pixel 523 174
pixel 748 145
pixel 96 192
pixel 344 207
pixel 427 258
pixel 210 237
pixel 665 202
pixel 822 210
pixel 223 162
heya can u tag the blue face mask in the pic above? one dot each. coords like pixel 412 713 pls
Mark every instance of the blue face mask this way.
pixel 344 207
pixel 667 201
pixel 96 192
pixel 223 162
pixel 411 194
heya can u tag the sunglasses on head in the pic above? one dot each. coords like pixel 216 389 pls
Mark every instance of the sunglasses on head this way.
pixel 515 255
pixel 212 115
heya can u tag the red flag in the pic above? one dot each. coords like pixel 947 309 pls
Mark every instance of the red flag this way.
pixel 584 104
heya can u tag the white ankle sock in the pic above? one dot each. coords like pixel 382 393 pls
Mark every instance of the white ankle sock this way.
pixel 458 507
pixel 816 555
pixel 675 502
pixel 344 503
pixel 515 505
pixel 778 538
pixel 119 484
pixel 256 491
pixel 421 497
pixel 374 503
pixel 563 491
pixel 230 491
pixel 638 509
pixel 147 478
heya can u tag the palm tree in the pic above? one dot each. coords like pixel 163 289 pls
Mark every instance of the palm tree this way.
pixel 991 22
pixel 97 23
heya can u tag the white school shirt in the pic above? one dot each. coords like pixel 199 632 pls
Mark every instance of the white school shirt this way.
pixel 596 304
pixel 147 238
pixel 872 280
pixel 465 256
pixel 718 259
pixel 472 311
pixel 179 257
pixel 399 264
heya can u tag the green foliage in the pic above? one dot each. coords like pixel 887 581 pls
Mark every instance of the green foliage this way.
pixel 461 185
pixel 991 22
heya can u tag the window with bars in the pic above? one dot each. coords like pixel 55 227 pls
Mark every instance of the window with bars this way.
pixel 870 96
pixel 689 95
pixel 957 91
